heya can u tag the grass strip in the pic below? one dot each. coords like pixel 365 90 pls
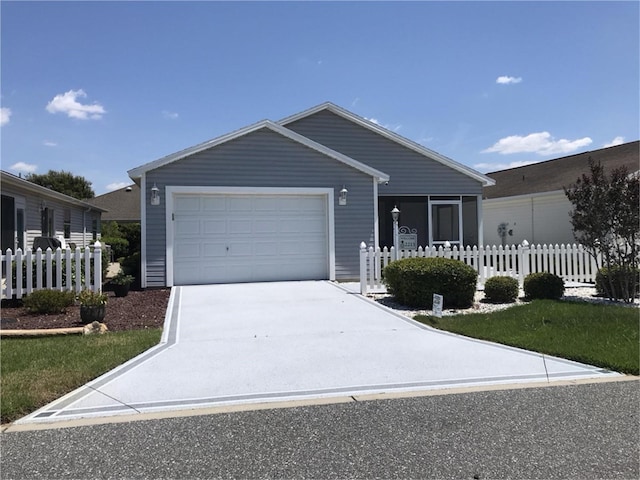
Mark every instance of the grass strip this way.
pixel 36 371
pixel 601 335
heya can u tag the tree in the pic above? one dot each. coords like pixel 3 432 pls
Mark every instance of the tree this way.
pixel 64 182
pixel 606 220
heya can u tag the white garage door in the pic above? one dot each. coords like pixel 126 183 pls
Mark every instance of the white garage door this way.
pixel 249 238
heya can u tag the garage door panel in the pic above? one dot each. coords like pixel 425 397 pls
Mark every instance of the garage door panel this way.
pixel 250 238
pixel 214 250
pixel 240 226
pixel 188 226
pixel 214 204
pixel 188 251
pixel 267 204
pixel 239 204
pixel 241 249
pixel 265 248
pixel 214 227
pixel 187 204
pixel 265 226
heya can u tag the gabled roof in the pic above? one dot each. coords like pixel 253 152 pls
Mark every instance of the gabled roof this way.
pixel 553 175
pixel 121 205
pixel 18 182
pixel 137 173
pixel 405 142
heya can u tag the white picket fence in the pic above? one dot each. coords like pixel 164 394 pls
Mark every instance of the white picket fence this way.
pixel 68 269
pixel 571 262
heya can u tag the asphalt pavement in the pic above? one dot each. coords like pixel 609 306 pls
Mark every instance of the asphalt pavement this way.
pixel 576 431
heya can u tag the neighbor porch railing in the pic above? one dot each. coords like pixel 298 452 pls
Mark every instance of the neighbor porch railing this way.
pixel 60 269
pixel 571 262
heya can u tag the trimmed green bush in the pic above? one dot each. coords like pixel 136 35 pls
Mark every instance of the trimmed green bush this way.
pixel 501 289
pixel 543 285
pixel 48 301
pixel 625 283
pixel 119 246
pixel 413 281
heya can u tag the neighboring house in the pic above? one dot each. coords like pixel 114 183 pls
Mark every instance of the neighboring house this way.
pixel 121 206
pixel 267 202
pixel 529 203
pixel 30 210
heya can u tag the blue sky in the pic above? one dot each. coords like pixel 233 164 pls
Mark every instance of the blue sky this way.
pixel 98 88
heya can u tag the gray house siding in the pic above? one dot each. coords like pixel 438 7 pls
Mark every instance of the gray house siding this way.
pixel 81 221
pixel 265 159
pixel 410 172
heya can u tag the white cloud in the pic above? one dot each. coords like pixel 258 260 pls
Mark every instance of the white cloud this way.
pixel 505 80
pixel 22 167
pixel 117 186
pixel 170 115
pixel 541 143
pixel 492 167
pixel 48 143
pixel 5 114
pixel 614 142
pixel 68 103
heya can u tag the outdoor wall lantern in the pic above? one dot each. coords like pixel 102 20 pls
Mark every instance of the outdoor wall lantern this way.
pixel 155 195
pixel 342 198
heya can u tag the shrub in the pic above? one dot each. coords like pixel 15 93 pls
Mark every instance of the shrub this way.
pixel 48 301
pixel 618 283
pixel 413 281
pixel 543 285
pixel 501 289
pixel 119 246
pixel 131 265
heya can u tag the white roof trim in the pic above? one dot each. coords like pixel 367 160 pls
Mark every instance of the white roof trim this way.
pixel 36 189
pixel 137 172
pixel 485 180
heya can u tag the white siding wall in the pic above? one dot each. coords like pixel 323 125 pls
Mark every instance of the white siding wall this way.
pixel 540 219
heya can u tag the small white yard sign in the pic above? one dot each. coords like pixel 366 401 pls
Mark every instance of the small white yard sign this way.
pixel 437 305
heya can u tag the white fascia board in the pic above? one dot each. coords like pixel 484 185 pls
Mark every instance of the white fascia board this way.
pixel 405 142
pixel 137 173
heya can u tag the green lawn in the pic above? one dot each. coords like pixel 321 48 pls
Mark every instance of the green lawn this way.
pixel 601 335
pixel 36 371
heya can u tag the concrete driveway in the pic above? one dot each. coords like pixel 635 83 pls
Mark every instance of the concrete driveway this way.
pixel 267 342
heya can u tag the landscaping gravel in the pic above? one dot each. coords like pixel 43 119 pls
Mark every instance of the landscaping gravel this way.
pixel 578 294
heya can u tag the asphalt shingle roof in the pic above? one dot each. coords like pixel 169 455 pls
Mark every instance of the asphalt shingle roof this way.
pixel 552 175
pixel 122 205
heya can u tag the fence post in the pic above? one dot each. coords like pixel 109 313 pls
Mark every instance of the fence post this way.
pixel 97 267
pixel 363 268
pixel 19 278
pixel 523 271
pixel 9 278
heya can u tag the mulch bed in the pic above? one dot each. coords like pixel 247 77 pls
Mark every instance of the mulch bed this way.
pixel 138 310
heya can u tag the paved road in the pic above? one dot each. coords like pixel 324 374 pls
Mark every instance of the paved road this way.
pixel 580 431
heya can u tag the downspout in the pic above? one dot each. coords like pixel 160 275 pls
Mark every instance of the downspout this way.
pixel 533 227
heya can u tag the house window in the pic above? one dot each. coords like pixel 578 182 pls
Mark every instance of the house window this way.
pixel 94 229
pixel 67 223
pixel 46 223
